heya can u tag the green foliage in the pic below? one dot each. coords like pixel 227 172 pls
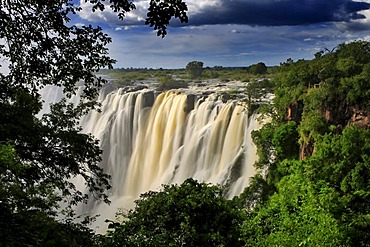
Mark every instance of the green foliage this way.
pixel 191 214
pixel 24 209
pixel 348 66
pixel 295 216
pixel 357 88
pixel 342 162
pixel 36 228
pixel 127 76
pixel 167 82
pixel 285 141
pixel 275 143
pixel 194 69
pixel 291 83
pixel 161 12
pixel 332 87
pixel 52 149
pixel 320 201
pixel 265 149
pixel 323 199
pixel 256 89
pixel 257 69
pixel 210 73
pixel 312 123
pixel 255 195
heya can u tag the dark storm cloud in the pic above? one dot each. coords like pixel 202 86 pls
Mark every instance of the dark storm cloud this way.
pixel 280 12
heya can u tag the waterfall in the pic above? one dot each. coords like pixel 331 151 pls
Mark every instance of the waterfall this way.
pixel 150 139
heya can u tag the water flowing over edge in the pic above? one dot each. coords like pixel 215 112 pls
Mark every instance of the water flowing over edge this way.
pixel 149 139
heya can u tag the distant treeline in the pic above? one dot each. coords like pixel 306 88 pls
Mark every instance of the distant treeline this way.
pixel 128 76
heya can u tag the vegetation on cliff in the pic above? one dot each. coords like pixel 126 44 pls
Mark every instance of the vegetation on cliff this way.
pixel 316 153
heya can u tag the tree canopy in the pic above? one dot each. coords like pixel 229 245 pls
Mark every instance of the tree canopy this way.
pixel 257 69
pixel 194 69
pixel 190 214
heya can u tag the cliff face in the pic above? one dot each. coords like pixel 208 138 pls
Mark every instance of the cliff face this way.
pixel 343 116
pixel 294 112
pixel 336 115
pixel 360 118
pixel 348 116
pixel 306 150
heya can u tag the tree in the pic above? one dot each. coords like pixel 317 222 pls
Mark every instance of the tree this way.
pixel 297 215
pixel 342 162
pixel 190 214
pixel 24 215
pixel 194 69
pixel 257 89
pixel 257 69
pixel 40 47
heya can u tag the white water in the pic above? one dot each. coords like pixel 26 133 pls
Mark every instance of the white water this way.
pixel 149 140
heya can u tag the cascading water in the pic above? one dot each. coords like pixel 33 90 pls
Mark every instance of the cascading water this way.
pixel 149 140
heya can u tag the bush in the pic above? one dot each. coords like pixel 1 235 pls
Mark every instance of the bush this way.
pixel 167 82
pixel 192 214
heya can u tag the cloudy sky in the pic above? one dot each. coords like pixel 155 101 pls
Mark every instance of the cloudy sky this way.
pixel 233 32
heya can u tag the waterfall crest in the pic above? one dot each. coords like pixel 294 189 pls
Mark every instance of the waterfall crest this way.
pixel 149 140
